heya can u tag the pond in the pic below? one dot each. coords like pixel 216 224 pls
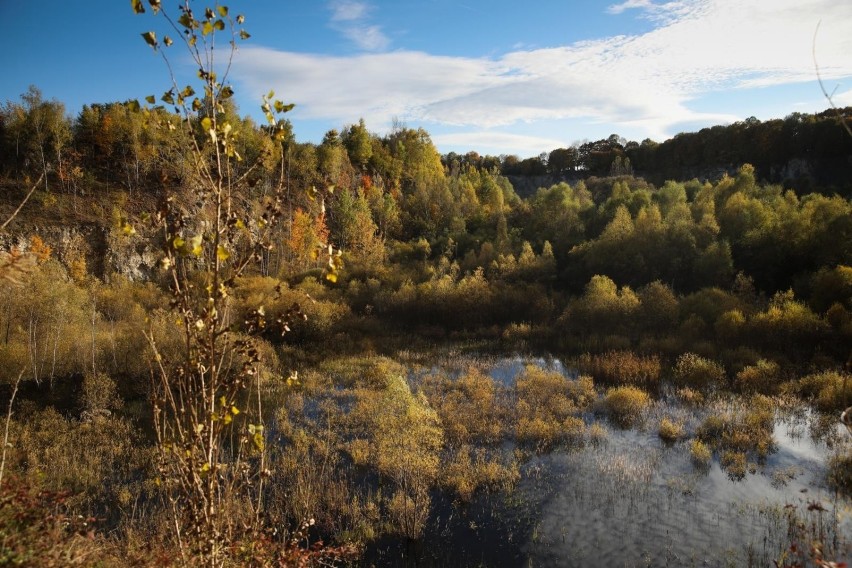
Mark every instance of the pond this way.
pixel 634 500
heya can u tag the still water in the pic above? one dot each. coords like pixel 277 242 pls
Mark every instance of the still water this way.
pixel 633 500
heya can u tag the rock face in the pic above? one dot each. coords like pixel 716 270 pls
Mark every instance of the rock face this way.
pixel 794 169
pixel 93 247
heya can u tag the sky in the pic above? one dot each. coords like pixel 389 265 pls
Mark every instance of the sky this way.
pixel 491 76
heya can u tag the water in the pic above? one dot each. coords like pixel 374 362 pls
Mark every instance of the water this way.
pixel 637 501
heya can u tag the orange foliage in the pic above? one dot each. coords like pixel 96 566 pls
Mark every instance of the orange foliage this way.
pixel 40 249
pixel 306 235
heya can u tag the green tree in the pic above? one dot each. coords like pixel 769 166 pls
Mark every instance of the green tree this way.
pixel 37 134
pixel 358 143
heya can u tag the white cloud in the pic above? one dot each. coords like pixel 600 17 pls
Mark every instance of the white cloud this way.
pixel 663 12
pixel 347 10
pixel 843 99
pixel 646 81
pixel 491 142
pixel 351 18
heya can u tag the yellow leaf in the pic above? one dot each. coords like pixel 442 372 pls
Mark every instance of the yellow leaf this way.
pixel 194 245
pixel 222 253
pixel 127 229
pixel 331 277
pixel 235 410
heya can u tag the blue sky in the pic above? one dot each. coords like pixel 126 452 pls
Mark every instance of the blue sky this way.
pixel 493 76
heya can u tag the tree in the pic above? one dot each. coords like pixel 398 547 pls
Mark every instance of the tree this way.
pixel 562 160
pixel 37 133
pixel 358 144
pixel 210 436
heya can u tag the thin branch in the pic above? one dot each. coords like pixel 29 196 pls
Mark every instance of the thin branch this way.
pixel 18 210
pixel 8 420
pixel 837 112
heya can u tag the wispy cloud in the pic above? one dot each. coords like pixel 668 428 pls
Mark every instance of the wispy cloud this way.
pixel 490 142
pixel 647 81
pixel 347 11
pixel 351 18
pixel 843 99
pixel 657 11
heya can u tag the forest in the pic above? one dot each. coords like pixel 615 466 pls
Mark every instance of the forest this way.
pixel 223 346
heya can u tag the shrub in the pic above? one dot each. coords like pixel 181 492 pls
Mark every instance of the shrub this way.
pixel 469 406
pixel 582 391
pixel 573 430
pixel 694 371
pixel 735 463
pixel 746 429
pixel 710 431
pixel 626 404
pixel 700 453
pixel 670 431
pixel 622 367
pixel 537 431
pixel 831 391
pixel 597 434
pixel 546 402
pixel 99 394
pixel 762 377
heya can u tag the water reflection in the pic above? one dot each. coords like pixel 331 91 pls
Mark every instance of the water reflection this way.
pixel 637 501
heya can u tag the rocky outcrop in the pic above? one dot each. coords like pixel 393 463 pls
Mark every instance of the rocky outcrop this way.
pixel 92 247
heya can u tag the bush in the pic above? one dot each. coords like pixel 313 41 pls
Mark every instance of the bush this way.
pixel 99 394
pixel 626 404
pixel 582 391
pixel 700 453
pixel 696 372
pixel 597 434
pixel 546 402
pixel 710 431
pixel 670 431
pixel 831 391
pixel 469 407
pixel 762 377
pixel 734 463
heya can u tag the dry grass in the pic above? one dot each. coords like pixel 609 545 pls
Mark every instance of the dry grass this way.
pixel 622 368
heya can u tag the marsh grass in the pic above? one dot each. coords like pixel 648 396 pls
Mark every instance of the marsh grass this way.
pixel 740 430
pixel 622 368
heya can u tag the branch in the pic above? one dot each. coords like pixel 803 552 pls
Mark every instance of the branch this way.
pixel 837 112
pixel 18 210
pixel 9 419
